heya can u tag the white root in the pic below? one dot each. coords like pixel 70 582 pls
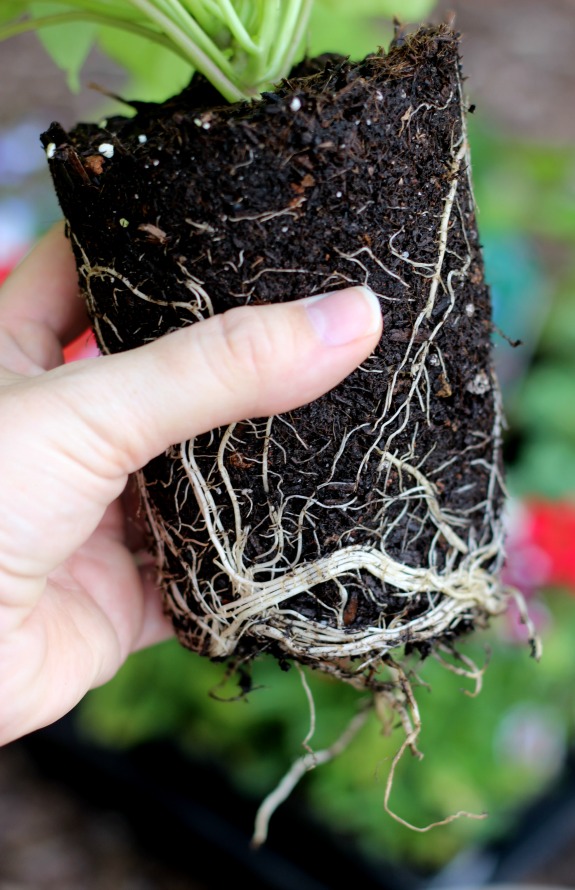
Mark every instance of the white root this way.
pixel 403 701
pixel 261 592
pixel 302 766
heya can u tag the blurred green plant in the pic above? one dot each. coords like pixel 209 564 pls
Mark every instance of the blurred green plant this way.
pixel 473 758
pixel 523 187
pixel 526 199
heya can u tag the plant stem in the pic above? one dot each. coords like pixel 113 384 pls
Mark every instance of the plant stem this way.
pixel 237 29
pixel 240 46
pixel 215 66
pixel 297 20
pixel 268 28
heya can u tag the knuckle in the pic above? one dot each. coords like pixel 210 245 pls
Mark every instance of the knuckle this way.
pixel 249 344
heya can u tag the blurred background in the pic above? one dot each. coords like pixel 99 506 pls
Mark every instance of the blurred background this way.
pixel 94 801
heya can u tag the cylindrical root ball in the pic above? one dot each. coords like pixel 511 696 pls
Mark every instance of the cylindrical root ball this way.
pixel 370 519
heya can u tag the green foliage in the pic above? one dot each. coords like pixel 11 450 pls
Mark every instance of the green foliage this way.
pixel 241 46
pixel 546 393
pixel 10 10
pixel 469 762
pixel 358 28
pixel 471 759
pixel 69 44
pixel 156 72
pixel 524 187
pixel 545 467
pixel 541 411
pixel 557 343
pixel 525 196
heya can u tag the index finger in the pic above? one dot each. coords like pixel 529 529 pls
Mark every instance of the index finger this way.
pixel 43 290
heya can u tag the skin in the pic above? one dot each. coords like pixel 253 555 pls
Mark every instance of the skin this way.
pixel 76 596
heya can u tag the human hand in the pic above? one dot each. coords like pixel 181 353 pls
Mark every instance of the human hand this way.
pixel 73 600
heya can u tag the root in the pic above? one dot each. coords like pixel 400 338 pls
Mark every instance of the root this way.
pixel 402 700
pixel 395 698
pixel 534 638
pixel 452 594
pixel 312 715
pixel 469 669
pixel 306 763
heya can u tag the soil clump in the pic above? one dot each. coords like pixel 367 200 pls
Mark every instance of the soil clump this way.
pixel 370 520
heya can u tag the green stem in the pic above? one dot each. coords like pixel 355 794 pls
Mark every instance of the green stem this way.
pixel 214 66
pixel 205 11
pixel 267 31
pixel 107 8
pixel 293 26
pixel 241 46
pixel 236 27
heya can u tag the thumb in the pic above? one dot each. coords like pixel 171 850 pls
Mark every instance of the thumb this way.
pixel 76 432
pixel 247 362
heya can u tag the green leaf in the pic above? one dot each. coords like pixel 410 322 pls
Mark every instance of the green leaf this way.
pixel 69 45
pixel 10 9
pixel 545 467
pixel 345 34
pixel 410 10
pixel 358 28
pixel 545 401
pixel 156 73
pixel 238 44
pixel 558 335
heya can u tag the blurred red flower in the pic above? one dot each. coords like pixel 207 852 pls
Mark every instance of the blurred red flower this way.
pixel 5 269
pixel 83 346
pixel 551 528
pixel 541 545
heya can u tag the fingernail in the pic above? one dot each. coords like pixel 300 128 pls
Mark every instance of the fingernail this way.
pixel 343 316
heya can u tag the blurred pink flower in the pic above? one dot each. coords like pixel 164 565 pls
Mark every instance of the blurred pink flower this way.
pixel 540 554
pixel 541 545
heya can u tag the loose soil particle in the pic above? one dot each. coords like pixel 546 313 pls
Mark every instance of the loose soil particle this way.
pixel 369 520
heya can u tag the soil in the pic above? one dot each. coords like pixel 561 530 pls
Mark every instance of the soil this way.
pixel 375 511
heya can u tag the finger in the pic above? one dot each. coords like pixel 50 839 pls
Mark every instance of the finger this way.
pixel 77 432
pixel 39 303
pixel 248 362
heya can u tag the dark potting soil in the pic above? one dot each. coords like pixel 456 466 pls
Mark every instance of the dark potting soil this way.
pixel 371 516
